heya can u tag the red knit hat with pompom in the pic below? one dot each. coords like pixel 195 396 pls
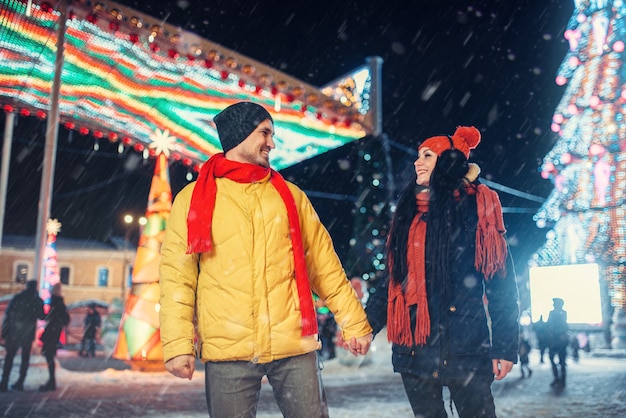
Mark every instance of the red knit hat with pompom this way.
pixel 465 138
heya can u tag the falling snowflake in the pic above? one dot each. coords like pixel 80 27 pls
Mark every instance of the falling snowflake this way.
pixel 162 142
pixel 53 226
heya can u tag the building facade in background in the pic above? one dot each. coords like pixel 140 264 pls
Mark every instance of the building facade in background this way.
pixel 88 270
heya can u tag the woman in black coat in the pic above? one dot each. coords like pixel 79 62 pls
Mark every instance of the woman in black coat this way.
pixel 450 299
pixel 56 319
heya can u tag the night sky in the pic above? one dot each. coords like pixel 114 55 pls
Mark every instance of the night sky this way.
pixel 490 64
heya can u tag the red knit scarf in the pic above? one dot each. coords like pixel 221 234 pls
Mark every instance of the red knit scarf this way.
pixel 200 220
pixel 490 258
pixel 491 250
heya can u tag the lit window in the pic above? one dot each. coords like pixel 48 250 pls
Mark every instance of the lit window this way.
pixel 103 277
pixel 64 275
pixel 21 273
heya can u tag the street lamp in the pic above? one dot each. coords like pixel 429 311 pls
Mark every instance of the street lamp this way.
pixel 128 221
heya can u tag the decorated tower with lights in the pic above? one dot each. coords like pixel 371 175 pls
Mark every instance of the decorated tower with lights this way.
pixel 585 212
pixel 50 265
pixel 139 342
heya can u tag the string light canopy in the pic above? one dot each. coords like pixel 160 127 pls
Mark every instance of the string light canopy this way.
pixel 130 79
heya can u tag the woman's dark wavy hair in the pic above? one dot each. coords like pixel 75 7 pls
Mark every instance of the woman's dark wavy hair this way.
pixel 447 211
pixel 406 209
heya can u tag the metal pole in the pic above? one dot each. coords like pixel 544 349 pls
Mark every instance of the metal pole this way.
pixel 4 173
pixel 391 184
pixel 127 219
pixel 376 96
pixel 376 104
pixel 50 149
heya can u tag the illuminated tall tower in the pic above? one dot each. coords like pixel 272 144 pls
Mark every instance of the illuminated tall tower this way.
pixel 585 212
pixel 50 266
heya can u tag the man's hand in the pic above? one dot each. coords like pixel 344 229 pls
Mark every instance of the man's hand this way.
pixel 359 345
pixel 182 366
pixel 501 368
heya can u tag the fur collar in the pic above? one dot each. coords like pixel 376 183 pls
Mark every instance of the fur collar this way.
pixel 472 173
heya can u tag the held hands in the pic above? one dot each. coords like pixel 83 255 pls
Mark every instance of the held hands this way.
pixel 501 368
pixel 359 345
pixel 181 366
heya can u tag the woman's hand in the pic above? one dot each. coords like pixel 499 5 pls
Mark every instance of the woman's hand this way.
pixel 501 368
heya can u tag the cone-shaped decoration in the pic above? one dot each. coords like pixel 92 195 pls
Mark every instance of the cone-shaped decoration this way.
pixel 139 342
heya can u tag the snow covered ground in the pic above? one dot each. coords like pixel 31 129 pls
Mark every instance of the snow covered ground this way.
pixel 363 387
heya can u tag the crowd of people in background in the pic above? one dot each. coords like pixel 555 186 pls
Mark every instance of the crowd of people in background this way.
pixel 19 329
pixel 552 339
pixel 555 340
pixel 18 332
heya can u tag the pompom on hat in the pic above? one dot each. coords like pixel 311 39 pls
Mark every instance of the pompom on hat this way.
pixel 236 122
pixel 465 139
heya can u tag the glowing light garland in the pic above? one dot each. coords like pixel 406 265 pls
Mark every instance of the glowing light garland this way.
pixel 126 86
pixel 587 165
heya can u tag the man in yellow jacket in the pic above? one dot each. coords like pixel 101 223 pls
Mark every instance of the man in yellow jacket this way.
pixel 243 252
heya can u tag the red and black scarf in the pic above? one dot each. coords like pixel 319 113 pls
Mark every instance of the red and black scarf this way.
pixel 200 220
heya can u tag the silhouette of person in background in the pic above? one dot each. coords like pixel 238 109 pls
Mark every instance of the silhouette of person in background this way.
pixel 558 332
pixel 585 344
pixel 327 329
pixel 360 288
pixel 56 320
pixel 541 332
pixel 524 351
pixel 575 345
pixel 18 332
pixel 92 324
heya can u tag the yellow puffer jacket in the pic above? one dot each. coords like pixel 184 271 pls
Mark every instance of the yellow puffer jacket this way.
pixel 244 294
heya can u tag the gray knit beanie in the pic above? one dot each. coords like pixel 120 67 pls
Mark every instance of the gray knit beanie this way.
pixel 237 121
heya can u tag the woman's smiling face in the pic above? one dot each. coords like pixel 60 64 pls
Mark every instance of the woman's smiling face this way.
pixel 424 165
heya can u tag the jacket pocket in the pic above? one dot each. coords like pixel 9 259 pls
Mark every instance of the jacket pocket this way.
pixel 469 333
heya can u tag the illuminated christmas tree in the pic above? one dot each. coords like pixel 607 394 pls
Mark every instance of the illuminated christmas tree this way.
pixel 139 342
pixel 585 212
pixel 370 213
